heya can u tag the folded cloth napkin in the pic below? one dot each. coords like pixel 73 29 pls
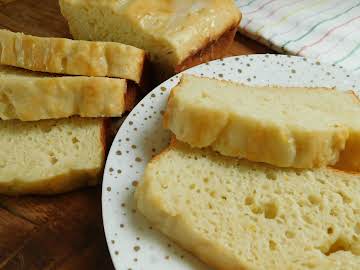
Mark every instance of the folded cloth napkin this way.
pixel 327 30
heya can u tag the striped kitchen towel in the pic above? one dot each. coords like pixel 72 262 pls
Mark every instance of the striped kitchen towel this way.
pixel 327 30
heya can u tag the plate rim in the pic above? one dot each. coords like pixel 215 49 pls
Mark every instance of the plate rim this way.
pixel 128 117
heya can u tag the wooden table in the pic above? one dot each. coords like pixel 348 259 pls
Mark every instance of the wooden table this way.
pixel 65 231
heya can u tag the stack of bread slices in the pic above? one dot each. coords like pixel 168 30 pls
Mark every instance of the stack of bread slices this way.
pixel 259 177
pixel 55 97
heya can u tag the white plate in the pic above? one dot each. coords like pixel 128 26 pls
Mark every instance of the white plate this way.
pixel 132 242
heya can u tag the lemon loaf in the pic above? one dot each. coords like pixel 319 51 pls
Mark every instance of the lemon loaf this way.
pixel 173 32
pixel 31 96
pixel 50 156
pixel 65 56
pixel 236 214
pixel 283 126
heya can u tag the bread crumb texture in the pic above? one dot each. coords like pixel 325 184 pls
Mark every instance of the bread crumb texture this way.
pixel 50 156
pixel 235 214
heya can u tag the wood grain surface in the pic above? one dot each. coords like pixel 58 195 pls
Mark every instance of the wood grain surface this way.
pixel 64 231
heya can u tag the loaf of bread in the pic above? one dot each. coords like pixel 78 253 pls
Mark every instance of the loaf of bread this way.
pixel 50 156
pixel 171 31
pixel 283 126
pixel 65 56
pixel 235 214
pixel 31 96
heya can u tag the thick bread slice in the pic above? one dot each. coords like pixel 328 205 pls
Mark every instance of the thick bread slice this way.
pixel 235 214
pixel 171 31
pixel 283 126
pixel 65 56
pixel 31 96
pixel 50 156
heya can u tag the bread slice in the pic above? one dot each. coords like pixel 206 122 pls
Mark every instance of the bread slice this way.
pixel 171 31
pixel 50 156
pixel 283 126
pixel 235 214
pixel 65 56
pixel 31 96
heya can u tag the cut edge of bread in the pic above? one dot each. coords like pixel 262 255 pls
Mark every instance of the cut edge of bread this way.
pixel 69 181
pixel 144 205
pixel 164 215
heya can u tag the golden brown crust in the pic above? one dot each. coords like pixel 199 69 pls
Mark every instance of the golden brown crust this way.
pixel 73 57
pixel 61 97
pixel 349 160
pixel 131 95
pixel 169 106
pixel 357 98
pixel 147 82
pixel 213 50
pixel 105 136
pixel 59 184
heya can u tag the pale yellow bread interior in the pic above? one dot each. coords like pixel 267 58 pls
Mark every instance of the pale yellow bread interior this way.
pixel 236 214
pixel 72 57
pixel 284 126
pixel 171 31
pixel 50 156
pixel 32 96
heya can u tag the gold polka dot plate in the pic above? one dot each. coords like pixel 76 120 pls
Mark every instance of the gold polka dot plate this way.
pixel 133 243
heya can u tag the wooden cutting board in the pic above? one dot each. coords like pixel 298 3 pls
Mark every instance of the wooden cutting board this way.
pixel 64 231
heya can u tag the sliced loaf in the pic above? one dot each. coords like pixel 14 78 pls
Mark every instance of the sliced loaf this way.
pixel 235 214
pixel 284 126
pixel 65 56
pixel 171 31
pixel 31 96
pixel 50 156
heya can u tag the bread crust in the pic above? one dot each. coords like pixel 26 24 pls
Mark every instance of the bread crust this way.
pixel 61 97
pixel 60 184
pixel 131 95
pixel 65 56
pixel 71 180
pixel 212 50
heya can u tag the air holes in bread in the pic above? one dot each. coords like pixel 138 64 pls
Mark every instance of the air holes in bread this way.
pixel 314 199
pixel 272 245
pixel 271 175
pixel 249 200
pixel 289 234
pixel 341 244
pixel 271 210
